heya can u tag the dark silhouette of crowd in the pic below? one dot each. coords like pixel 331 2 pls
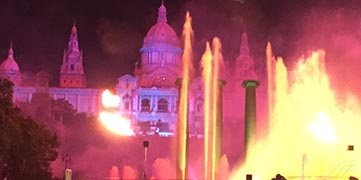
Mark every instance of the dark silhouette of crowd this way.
pixel 279 177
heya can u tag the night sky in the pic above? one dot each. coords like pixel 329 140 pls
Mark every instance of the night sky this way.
pixel 111 31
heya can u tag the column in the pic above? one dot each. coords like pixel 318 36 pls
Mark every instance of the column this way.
pixel 250 110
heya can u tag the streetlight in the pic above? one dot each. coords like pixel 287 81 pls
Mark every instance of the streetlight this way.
pixel 66 159
pixel 304 160
pixel 145 145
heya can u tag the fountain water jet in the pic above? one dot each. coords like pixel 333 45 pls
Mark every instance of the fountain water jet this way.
pixel 114 173
pixel 212 108
pixel 270 80
pixel 162 169
pixel 216 58
pixel 184 84
pixel 300 100
pixel 129 172
pixel 207 66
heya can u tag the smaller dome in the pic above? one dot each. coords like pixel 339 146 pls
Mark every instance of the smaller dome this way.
pixel 9 64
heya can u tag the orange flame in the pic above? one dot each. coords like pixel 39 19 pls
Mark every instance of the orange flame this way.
pixel 110 100
pixel 111 119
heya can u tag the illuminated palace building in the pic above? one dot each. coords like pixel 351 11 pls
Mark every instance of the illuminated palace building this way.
pixel 150 95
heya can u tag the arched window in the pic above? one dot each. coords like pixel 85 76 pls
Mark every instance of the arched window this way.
pixel 162 105
pixel 199 105
pixel 145 105
pixel 177 106
pixel 126 105
pixel 72 67
pixel 127 100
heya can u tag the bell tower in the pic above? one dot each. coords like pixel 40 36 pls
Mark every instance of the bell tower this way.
pixel 244 68
pixel 72 72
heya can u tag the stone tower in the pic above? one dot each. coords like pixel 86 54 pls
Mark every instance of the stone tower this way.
pixel 244 67
pixel 72 72
pixel 234 96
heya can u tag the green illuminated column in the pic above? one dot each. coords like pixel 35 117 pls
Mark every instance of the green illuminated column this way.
pixel 250 110
pixel 219 121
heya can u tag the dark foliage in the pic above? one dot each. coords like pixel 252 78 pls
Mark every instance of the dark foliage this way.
pixel 27 148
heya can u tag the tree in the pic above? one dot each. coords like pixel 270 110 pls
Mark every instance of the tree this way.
pixel 27 148
pixel 63 111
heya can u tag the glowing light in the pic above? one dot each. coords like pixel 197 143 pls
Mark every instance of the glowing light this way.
pixel 110 100
pixel 323 129
pixel 116 124
pixel 111 119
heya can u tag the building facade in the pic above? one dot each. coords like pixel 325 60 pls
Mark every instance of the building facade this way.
pixel 150 96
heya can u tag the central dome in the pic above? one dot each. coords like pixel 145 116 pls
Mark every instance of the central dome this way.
pixel 161 34
pixel 160 55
